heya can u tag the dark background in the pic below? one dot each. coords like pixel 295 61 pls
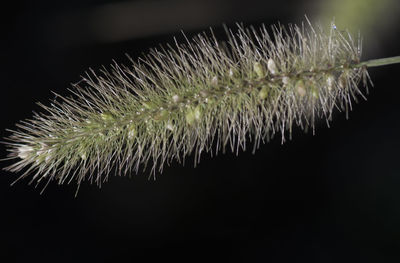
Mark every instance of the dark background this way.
pixel 332 197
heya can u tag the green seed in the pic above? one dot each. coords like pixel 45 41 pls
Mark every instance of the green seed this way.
pixel 193 115
pixel 300 88
pixel 131 131
pixel 263 94
pixel 107 116
pixel 259 70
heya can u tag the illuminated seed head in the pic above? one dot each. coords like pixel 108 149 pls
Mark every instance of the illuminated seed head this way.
pixel 190 98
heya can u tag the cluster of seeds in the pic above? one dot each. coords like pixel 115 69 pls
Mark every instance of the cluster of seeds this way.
pixel 199 96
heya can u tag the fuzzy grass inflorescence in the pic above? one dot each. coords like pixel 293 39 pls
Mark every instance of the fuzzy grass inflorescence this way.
pixel 199 96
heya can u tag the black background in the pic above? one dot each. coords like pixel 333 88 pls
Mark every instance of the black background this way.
pixel 330 197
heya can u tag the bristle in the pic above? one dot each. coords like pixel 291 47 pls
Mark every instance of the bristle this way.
pixel 195 97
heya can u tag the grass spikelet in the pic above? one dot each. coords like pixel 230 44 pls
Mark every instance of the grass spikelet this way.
pixel 195 97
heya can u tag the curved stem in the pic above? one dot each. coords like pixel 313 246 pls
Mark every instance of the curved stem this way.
pixel 379 62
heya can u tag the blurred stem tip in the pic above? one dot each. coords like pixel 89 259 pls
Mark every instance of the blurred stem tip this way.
pixel 379 62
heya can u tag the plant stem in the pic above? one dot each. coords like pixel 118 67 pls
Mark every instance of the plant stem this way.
pixel 379 62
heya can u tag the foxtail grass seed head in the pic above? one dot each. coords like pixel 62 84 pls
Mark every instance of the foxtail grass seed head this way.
pixel 195 97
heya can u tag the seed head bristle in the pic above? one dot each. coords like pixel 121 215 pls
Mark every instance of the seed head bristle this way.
pixel 195 97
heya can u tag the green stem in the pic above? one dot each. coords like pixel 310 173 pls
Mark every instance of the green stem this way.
pixel 379 62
